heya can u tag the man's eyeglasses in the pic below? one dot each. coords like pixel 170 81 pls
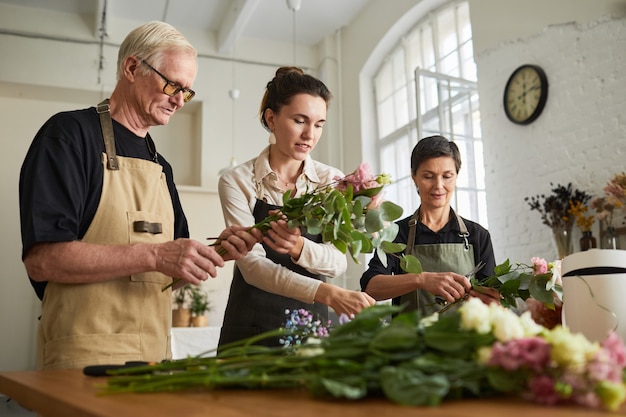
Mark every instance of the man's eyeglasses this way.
pixel 171 88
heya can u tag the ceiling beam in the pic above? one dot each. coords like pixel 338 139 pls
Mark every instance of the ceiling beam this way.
pixel 234 22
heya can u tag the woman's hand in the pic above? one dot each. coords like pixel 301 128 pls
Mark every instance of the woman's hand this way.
pixel 448 285
pixel 343 301
pixel 486 295
pixel 284 239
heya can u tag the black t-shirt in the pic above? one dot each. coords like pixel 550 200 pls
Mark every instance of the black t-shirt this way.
pixel 479 238
pixel 61 179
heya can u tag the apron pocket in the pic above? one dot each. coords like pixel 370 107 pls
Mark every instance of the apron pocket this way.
pixel 91 349
pixel 143 235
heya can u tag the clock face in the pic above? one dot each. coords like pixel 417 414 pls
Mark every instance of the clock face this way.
pixel 525 94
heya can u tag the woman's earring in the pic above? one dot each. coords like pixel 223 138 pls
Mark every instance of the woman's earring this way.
pixel 272 138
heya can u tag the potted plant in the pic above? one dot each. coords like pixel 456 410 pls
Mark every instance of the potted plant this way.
pixel 198 306
pixel 181 315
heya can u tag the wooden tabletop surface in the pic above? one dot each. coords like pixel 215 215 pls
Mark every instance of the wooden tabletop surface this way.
pixel 69 393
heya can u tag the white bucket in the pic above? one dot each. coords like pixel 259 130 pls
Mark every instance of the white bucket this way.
pixel 594 293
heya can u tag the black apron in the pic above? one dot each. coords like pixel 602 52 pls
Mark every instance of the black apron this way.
pixel 441 257
pixel 250 310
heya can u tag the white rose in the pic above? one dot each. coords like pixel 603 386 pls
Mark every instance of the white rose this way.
pixel 475 316
pixel 506 324
pixel 530 326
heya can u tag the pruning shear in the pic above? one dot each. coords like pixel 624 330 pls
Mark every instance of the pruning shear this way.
pixel 442 301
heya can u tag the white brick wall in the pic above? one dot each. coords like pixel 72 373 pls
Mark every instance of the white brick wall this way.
pixel 580 136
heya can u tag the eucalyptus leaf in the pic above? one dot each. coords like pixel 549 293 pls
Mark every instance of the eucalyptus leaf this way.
pixel 382 256
pixel 369 192
pixel 341 245
pixel 389 233
pixel 390 211
pixel 537 289
pixel 410 264
pixel 374 221
pixel 391 247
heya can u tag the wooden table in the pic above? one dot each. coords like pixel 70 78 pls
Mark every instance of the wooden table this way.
pixel 68 393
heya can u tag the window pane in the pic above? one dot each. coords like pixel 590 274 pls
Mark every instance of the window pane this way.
pixel 467 61
pixel 463 179
pixel 450 65
pixel 479 165
pixel 401 108
pixel 384 82
pixel 447 32
pixel 428 48
pixel 414 54
pixel 482 209
pixel 463 22
pixel 399 74
pixel 385 117
pixel 464 205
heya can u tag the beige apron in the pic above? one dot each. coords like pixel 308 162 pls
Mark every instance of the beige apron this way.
pixel 442 257
pixel 128 318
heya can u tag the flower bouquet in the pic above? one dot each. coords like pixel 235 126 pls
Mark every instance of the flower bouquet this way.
pixel 348 213
pixel 478 350
pixel 538 284
pixel 607 207
pixel 540 281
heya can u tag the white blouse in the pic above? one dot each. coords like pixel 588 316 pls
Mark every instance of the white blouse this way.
pixel 239 188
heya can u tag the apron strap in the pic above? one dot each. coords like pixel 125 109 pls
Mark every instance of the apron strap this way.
pixel 408 250
pixel 104 111
pixel 463 233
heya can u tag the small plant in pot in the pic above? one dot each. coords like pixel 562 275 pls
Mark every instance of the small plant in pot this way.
pixel 181 315
pixel 199 305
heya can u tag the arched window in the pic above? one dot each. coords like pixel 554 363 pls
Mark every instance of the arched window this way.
pixel 438 53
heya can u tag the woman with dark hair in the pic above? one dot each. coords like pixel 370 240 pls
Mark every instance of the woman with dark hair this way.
pixel 447 246
pixel 288 271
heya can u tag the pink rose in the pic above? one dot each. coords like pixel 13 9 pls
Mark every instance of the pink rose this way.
pixel 540 266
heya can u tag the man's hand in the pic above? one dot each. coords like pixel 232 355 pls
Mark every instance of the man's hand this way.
pixel 237 241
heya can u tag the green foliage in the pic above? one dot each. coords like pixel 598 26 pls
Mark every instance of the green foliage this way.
pixel 182 296
pixel 345 219
pixel 519 281
pixel 381 351
pixel 199 301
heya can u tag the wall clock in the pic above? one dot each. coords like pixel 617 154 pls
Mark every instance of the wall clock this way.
pixel 525 94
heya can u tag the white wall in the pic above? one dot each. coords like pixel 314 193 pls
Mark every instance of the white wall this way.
pixel 39 77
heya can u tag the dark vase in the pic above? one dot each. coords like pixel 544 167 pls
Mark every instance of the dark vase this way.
pixel 587 241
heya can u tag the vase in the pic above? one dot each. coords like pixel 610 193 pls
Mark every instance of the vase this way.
pixel 611 239
pixel 200 321
pixel 563 240
pixel 181 317
pixel 587 241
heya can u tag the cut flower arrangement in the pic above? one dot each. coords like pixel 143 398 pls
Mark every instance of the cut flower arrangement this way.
pixel 348 213
pixel 555 208
pixel 613 200
pixel 478 350
pixel 555 211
